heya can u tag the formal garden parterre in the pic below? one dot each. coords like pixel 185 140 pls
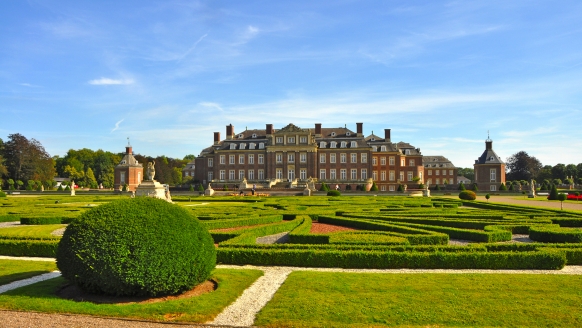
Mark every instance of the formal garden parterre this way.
pixel 389 232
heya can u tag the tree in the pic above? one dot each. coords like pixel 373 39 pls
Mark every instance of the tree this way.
pixel 559 171
pixel 89 179
pixel 468 173
pixel 462 186
pixel 502 187
pixel 374 187
pixel 475 188
pixel 189 157
pixel 27 159
pixel 487 196
pixel 545 173
pixel 522 166
pixel 553 193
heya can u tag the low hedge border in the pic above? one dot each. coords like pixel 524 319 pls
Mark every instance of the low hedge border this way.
pixel 250 235
pixel 367 237
pixel 45 220
pixel 414 236
pixel 32 248
pixel 552 234
pixel 231 223
pixel 541 260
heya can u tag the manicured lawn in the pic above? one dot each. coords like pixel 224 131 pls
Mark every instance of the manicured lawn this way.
pixel 12 270
pixel 40 297
pixel 317 299
pixel 31 231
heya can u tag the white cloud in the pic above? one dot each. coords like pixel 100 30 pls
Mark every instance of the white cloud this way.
pixel 108 81
pixel 211 105
pixel 117 125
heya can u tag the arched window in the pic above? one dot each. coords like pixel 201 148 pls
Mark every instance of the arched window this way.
pixel 374 148
pixel 261 146
pixel 383 148
pixel 333 144
pixel 252 145
pixel 354 144
pixel 322 144
pixel 344 144
pixel 232 146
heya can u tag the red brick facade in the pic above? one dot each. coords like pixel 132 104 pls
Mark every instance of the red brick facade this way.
pixel 489 169
pixel 128 171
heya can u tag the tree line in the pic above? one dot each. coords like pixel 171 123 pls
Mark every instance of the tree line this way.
pixel 25 164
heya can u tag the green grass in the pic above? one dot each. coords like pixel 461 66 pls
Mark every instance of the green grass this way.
pixel 31 231
pixel 40 297
pixel 317 299
pixel 13 270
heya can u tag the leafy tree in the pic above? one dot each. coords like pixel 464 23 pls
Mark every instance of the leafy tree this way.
pixel 487 196
pixel 557 181
pixel 522 166
pixel 189 157
pixel 27 159
pixel 19 183
pixel 89 179
pixel 571 170
pixel 559 171
pixel 468 173
pixel 545 173
pixel 510 187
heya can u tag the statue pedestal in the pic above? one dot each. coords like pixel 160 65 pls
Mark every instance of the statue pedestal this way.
pixel 152 188
pixel 209 192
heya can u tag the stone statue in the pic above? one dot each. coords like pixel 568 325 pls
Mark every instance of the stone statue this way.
pixel 151 171
pixel 532 189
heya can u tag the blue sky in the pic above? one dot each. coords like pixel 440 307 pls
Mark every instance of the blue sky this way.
pixel 167 74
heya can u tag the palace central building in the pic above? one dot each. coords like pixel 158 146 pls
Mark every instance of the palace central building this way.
pixel 291 155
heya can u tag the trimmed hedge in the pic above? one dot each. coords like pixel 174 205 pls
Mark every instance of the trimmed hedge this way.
pixel 544 259
pixel 467 195
pixel 231 223
pixel 141 246
pixel 250 235
pixel 549 234
pixel 31 248
pixel 367 237
pixel 45 220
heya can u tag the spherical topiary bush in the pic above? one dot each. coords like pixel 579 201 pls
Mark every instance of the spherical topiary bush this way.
pixel 334 193
pixel 142 246
pixel 467 195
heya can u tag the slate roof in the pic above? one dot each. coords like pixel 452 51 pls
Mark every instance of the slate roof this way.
pixel 489 156
pixel 436 161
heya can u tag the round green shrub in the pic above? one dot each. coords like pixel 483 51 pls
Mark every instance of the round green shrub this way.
pixel 467 195
pixel 141 246
pixel 334 193
pixel 2 194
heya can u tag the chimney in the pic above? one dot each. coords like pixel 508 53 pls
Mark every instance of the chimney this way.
pixel 216 138
pixel 489 144
pixel 360 129
pixel 229 132
pixel 387 135
pixel 318 129
pixel 269 129
pixel 128 150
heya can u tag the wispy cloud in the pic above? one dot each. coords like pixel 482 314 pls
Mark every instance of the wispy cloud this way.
pixel 211 105
pixel 193 47
pixel 108 81
pixel 117 125
pixel 29 85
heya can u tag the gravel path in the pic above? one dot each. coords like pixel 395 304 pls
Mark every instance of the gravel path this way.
pixel 242 312
pixel 29 281
pixel 9 224
pixel 279 238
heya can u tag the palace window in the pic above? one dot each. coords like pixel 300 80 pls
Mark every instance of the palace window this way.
pixel 354 144
pixel 210 162
pixel 343 158
pixel 262 145
pixel 364 158
pixel 291 157
pixel 332 175
pixel 251 174
pixel 231 174
pixel 303 157
pixel 231 159
pixel 241 159
pixel 252 145
pixel 343 174
pixel 279 158
pixel 354 173
pixel 251 159
pixel 322 158
pixel 322 174
pixel 261 174
pixel 261 158
pixel 222 175
pixel 222 159
pixel 353 158
pixel 332 158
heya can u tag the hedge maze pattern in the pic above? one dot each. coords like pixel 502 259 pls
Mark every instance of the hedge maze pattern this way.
pixel 391 232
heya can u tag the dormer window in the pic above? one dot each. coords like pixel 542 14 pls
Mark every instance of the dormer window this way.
pixel 354 144
pixel 348 134
pixel 344 144
pixel 333 144
pixel 254 135
pixel 232 146
pixel 322 144
pixel 240 136
pixel 333 134
pixel 407 151
pixel 242 146
pixel 372 139
pixel 491 158
pixel 122 162
pixel 261 146
pixel 374 148
pixel 252 145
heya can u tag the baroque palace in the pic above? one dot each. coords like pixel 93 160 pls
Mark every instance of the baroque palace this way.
pixel 288 157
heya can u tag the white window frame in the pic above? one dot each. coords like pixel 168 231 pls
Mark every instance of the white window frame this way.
pixel 322 174
pixel 251 159
pixel 222 159
pixel 231 159
pixel 353 157
pixel 210 162
pixel 332 158
pixel 322 158
pixel 241 158
pixel 261 159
